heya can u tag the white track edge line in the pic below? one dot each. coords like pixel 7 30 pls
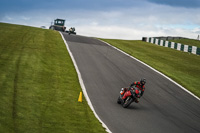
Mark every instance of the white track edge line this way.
pixel 153 70
pixel 83 86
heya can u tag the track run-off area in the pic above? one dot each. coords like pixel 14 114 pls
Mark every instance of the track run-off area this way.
pixel 164 107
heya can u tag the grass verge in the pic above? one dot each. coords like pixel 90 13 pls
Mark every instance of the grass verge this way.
pixel 182 67
pixel 39 86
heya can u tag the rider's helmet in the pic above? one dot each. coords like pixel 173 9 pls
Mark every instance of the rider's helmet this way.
pixel 143 81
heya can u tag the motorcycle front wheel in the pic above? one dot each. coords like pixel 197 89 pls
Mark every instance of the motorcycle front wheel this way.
pixel 127 102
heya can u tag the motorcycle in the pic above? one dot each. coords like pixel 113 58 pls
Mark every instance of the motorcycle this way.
pixel 131 95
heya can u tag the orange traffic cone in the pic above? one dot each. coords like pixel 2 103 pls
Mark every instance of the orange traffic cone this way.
pixel 80 97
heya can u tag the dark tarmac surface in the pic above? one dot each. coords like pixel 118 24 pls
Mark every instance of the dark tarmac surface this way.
pixel 164 107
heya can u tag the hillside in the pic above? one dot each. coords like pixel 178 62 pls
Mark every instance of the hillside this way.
pixel 39 87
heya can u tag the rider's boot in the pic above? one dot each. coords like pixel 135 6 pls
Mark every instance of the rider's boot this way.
pixel 137 100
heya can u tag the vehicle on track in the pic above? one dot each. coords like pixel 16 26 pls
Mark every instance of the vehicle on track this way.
pixel 58 25
pixel 71 31
pixel 131 95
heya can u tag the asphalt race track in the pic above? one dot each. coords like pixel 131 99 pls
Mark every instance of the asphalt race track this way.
pixel 164 107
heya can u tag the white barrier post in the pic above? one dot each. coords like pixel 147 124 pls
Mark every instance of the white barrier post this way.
pixel 161 42
pixel 166 43
pixel 179 46
pixel 172 45
pixel 194 49
pixel 185 48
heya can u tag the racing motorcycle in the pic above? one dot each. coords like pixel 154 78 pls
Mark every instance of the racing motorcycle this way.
pixel 131 95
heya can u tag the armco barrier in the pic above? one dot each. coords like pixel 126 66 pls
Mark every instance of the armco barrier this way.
pixel 173 45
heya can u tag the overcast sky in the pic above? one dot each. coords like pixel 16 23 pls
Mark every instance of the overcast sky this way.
pixel 121 19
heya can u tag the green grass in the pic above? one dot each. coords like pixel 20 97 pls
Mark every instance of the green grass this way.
pixel 39 86
pixel 182 67
pixel 190 42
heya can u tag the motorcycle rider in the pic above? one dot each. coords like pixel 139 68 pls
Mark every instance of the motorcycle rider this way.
pixel 139 84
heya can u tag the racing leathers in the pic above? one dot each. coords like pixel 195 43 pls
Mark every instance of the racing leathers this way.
pixel 137 84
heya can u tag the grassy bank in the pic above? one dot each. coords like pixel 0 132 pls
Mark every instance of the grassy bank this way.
pixel 39 86
pixel 190 42
pixel 182 67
